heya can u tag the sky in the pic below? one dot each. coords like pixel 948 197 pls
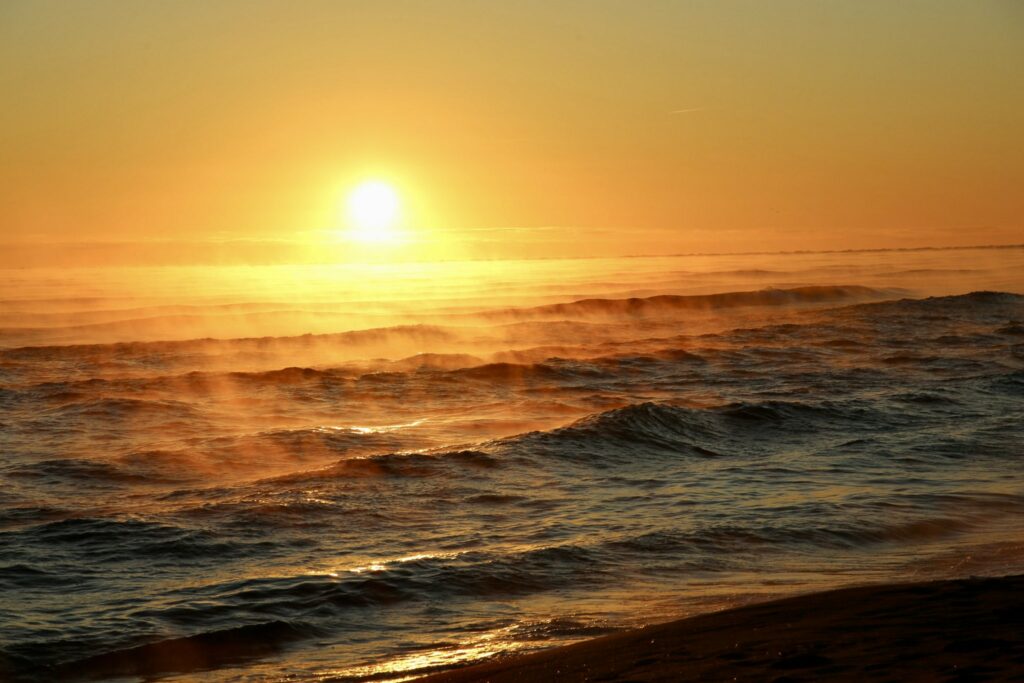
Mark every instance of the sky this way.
pixel 179 130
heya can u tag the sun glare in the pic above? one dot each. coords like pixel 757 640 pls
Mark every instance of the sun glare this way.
pixel 373 210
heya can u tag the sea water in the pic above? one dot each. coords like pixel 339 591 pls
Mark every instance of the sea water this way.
pixel 371 472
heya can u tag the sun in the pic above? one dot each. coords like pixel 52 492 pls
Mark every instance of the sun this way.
pixel 373 210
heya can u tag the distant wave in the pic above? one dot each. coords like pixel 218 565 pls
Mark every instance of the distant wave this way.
pixel 665 303
pixel 987 301
pixel 635 427
pixel 636 431
pixel 419 333
pixel 633 431
pixel 409 336
pixel 380 336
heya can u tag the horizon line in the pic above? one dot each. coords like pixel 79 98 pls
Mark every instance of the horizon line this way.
pixel 257 263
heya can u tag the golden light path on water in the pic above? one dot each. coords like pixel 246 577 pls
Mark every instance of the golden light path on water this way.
pixel 410 667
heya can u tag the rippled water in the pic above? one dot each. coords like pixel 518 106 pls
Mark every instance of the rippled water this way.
pixel 471 459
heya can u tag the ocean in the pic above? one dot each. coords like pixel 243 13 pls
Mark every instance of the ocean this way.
pixel 373 472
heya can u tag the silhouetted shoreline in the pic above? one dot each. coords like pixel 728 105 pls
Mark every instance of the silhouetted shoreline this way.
pixel 958 630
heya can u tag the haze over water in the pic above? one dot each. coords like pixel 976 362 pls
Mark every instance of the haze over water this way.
pixel 370 472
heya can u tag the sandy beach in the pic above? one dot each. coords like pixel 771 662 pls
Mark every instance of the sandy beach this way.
pixel 962 630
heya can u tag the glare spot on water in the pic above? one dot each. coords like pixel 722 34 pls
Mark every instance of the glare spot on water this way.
pixel 412 666
pixel 361 429
pixel 383 565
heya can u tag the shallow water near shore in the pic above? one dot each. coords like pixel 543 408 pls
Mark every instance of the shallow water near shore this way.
pixel 373 472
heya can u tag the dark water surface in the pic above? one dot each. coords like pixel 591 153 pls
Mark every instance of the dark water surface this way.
pixel 474 459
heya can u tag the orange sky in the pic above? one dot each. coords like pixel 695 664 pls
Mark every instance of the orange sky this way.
pixel 519 129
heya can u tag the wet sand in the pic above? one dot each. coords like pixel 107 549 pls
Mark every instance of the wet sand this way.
pixel 962 630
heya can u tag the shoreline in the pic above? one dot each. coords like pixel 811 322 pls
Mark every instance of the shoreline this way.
pixel 951 630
